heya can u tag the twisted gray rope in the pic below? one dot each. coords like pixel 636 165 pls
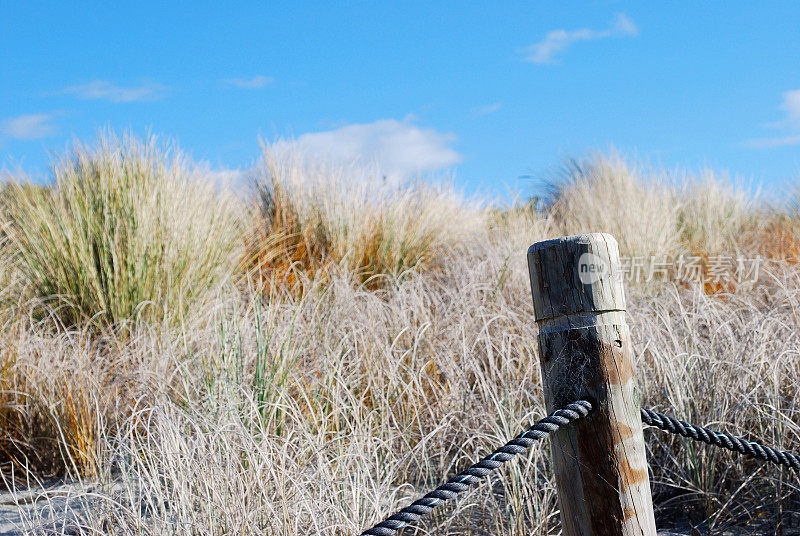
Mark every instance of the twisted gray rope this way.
pixel 475 473
pixel 719 439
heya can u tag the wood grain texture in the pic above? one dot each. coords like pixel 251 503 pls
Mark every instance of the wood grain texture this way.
pixel 585 351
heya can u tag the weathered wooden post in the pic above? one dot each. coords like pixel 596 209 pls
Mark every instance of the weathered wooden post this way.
pixel 585 350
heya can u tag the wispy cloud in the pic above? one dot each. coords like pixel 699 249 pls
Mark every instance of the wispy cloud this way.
pixel 791 122
pixel 488 109
pixel 105 90
pixel 768 143
pixel 223 178
pixel 791 105
pixel 399 148
pixel 557 41
pixel 257 82
pixel 27 127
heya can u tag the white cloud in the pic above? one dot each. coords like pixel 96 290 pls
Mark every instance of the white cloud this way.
pixel 766 143
pixel 105 90
pixel 398 148
pixel 256 82
pixel 28 127
pixel 488 109
pixel 791 106
pixel 224 178
pixel 558 41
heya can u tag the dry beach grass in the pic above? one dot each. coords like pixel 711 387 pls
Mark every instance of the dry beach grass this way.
pixel 307 357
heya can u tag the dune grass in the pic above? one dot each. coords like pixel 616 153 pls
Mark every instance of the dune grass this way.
pixel 608 193
pixel 354 342
pixel 125 231
pixel 310 216
pixel 653 211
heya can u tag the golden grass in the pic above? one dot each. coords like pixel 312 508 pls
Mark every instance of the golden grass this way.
pixel 372 339
pixel 80 428
pixel 10 426
pixel 310 217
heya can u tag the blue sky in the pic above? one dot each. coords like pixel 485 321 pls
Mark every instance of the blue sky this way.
pixel 491 92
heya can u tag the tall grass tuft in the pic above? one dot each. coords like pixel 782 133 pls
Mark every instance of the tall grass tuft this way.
pixel 607 194
pixel 716 215
pixel 310 216
pixel 126 230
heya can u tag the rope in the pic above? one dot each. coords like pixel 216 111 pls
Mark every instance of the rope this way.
pixel 476 472
pixel 719 439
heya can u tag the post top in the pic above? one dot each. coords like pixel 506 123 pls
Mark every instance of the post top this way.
pixel 581 238
pixel 575 274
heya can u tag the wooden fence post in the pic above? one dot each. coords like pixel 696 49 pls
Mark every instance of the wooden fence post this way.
pixel 585 351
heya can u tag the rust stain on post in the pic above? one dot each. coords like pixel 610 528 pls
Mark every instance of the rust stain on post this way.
pixel 623 371
pixel 585 353
pixel 625 432
pixel 630 474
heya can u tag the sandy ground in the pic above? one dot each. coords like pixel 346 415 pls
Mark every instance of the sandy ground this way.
pixel 54 509
pixel 57 509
